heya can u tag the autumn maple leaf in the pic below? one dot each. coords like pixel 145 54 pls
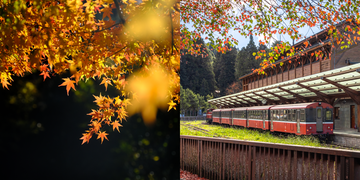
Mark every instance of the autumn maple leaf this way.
pixel 171 105
pixel 45 74
pixel 102 135
pixel 69 84
pixel 106 81
pixel 116 125
pixel 86 137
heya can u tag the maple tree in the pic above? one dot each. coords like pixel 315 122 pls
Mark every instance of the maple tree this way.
pixel 214 19
pixel 104 39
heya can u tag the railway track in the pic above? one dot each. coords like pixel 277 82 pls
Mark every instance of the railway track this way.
pixel 207 132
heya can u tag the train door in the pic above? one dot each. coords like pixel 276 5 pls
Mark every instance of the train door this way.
pixel 264 115
pixel 297 120
pixel 247 118
pixel 319 119
pixel 271 119
pixel 219 117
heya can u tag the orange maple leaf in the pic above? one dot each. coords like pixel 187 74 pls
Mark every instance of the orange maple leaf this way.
pixel 5 83
pixel 69 84
pixel 102 135
pixel 106 81
pixel 116 125
pixel 86 137
pixel 96 126
pixel 171 105
pixel 306 44
pixel 77 77
pixel 43 67
pixel 45 74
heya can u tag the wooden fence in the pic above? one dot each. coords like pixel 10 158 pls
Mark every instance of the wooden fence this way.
pixel 218 158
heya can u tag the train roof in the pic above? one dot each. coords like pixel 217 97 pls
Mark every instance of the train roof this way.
pixel 227 109
pixel 259 107
pixel 241 109
pixel 297 106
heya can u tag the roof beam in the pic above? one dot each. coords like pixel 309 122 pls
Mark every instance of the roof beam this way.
pixel 259 102
pixel 282 100
pixel 352 93
pixel 297 96
pixel 340 86
pixel 267 99
pixel 248 102
pixel 321 95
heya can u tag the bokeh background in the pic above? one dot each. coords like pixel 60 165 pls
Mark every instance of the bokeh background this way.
pixel 41 127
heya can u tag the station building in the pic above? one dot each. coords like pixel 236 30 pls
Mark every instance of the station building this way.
pixel 304 77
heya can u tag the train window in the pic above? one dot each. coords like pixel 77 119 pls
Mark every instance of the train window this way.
pixel 302 115
pixel 318 112
pixel 328 115
pixel 294 115
pixel 281 114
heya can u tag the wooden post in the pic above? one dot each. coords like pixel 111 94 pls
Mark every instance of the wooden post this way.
pixel 358 116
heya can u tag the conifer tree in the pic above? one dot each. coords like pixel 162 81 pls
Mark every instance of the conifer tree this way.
pixel 227 72
pixel 195 69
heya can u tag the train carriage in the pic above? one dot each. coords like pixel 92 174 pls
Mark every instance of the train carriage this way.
pixel 226 116
pixel 258 117
pixel 239 117
pixel 216 115
pixel 302 119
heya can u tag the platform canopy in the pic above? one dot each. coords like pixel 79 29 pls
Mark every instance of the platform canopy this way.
pixel 323 87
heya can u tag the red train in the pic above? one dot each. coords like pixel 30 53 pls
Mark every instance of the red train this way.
pixel 314 118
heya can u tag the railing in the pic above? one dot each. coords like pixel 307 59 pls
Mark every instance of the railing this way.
pixel 218 158
pixel 192 118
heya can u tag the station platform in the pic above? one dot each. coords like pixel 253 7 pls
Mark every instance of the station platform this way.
pixel 346 137
pixel 347 132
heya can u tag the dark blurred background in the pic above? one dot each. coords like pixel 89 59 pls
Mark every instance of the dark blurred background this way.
pixel 41 127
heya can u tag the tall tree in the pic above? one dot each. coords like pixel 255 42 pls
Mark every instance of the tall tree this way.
pixel 227 71
pixel 195 69
pixel 245 61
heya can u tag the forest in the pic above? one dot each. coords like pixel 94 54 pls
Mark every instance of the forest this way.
pixel 212 74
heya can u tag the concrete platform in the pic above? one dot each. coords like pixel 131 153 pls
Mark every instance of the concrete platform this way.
pixel 347 132
pixel 346 137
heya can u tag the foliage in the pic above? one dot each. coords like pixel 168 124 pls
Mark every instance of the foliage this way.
pixel 108 40
pixel 196 72
pixel 245 62
pixel 191 102
pixel 215 19
pixel 227 69
pixel 234 88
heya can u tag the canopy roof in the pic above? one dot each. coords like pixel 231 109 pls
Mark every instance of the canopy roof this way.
pixel 324 86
